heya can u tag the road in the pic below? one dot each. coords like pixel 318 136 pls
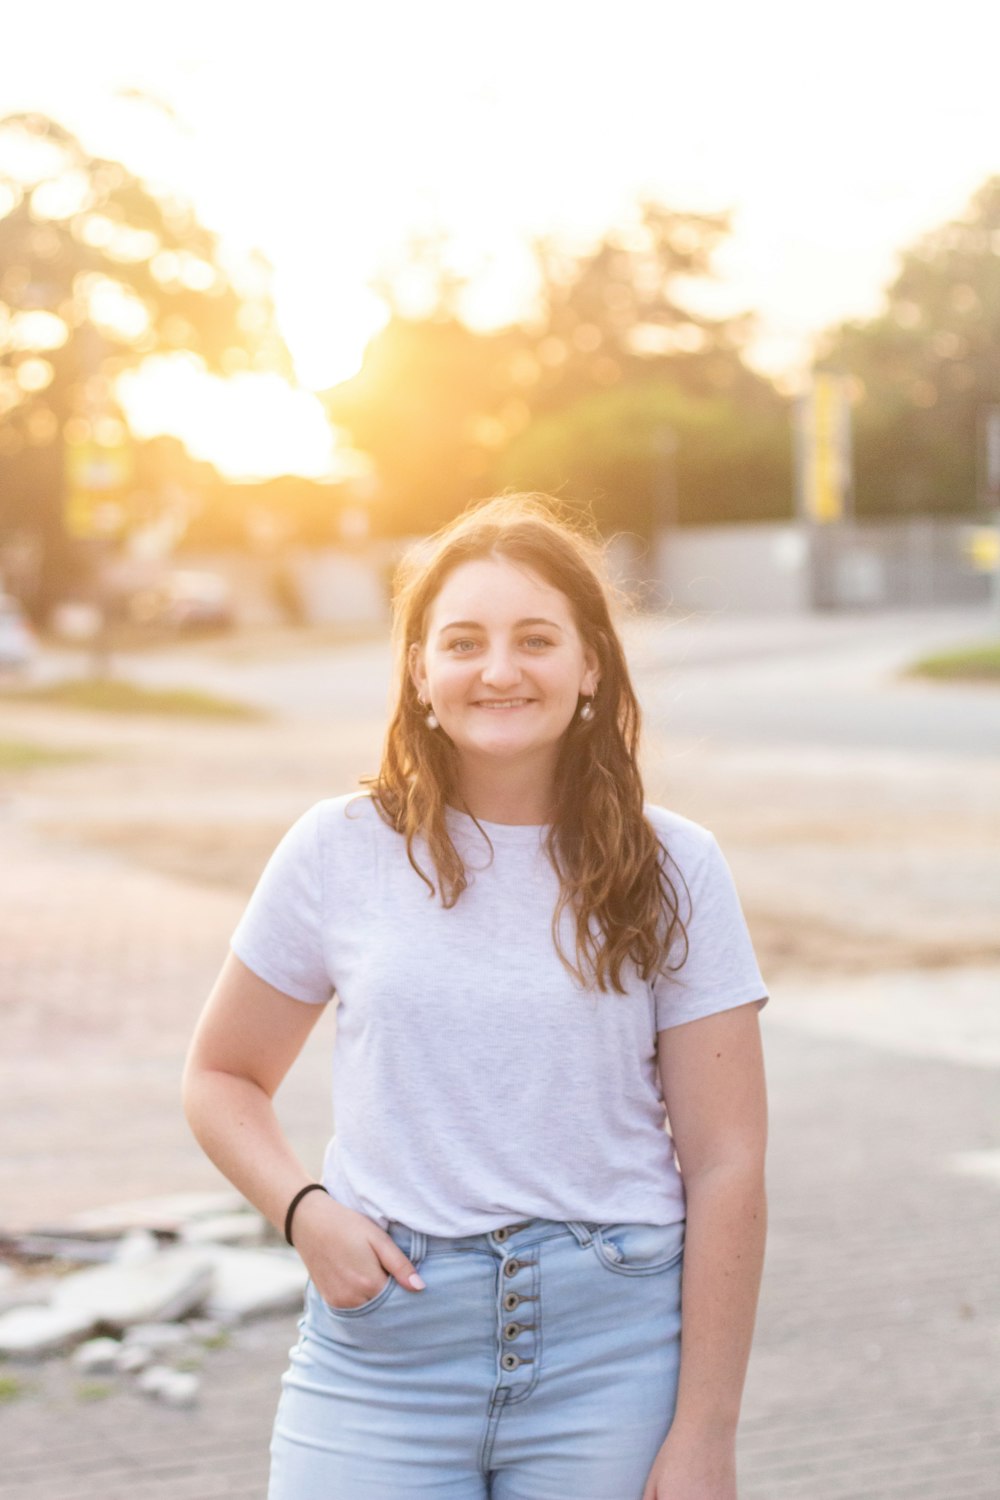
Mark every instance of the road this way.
pixel 832 681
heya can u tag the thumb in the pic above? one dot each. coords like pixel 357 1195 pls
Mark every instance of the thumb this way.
pixel 398 1265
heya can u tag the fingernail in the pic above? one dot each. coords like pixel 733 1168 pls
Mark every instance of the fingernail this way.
pixel 417 1282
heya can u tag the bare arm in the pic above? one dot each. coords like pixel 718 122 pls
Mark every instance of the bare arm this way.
pixel 712 1075
pixel 246 1039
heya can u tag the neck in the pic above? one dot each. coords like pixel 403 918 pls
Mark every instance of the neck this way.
pixel 508 793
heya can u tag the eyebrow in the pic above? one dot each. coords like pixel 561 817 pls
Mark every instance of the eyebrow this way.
pixel 518 624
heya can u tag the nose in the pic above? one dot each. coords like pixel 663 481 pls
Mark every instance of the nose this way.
pixel 500 670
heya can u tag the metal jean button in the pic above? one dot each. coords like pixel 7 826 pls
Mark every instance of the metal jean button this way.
pixel 510 1301
pixel 512 1267
pixel 511 1330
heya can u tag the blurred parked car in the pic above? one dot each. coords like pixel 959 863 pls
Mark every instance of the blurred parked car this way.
pixel 185 601
pixel 18 642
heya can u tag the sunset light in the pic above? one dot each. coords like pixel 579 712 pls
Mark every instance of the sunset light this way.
pixel 332 138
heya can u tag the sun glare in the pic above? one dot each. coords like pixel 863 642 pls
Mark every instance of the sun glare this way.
pixel 251 426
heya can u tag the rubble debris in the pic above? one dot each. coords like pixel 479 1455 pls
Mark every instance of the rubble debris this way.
pixel 163 1286
pixel 33 1332
pixel 97 1356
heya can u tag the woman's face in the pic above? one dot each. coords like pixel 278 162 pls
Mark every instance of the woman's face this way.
pixel 502 663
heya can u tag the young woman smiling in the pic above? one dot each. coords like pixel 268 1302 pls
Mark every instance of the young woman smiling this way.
pixel 536 972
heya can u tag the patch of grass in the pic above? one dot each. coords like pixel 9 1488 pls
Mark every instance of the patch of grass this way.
pixel 217 1340
pixel 970 664
pixel 22 755
pixel 111 695
pixel 11 1388
pixel 94 1390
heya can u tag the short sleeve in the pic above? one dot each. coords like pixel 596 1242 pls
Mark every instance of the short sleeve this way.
pixel 279 935
pixel 720 970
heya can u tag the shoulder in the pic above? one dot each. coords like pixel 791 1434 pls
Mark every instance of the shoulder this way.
pixel 684 840
pixel 351 825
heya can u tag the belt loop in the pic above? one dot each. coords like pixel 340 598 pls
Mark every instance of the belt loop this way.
pixel 583 1232
pixel 418 1246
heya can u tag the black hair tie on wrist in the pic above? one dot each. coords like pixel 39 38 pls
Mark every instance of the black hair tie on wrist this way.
pixel 309 1187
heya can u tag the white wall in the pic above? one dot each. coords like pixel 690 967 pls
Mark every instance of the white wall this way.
pixel 764 566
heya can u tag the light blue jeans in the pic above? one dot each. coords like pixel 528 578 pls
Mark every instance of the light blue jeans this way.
pixel 540 1363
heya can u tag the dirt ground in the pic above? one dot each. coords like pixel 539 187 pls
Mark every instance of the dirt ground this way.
pixel 855 860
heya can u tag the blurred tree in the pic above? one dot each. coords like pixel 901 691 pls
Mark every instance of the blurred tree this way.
pixel 429 407
pixel 648 454
pixel 268 515
pixel 924 366
pixel 447 413
pixel 98 271
pixel 625 307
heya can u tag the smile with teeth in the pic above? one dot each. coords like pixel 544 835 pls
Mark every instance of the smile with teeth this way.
pixel 502 702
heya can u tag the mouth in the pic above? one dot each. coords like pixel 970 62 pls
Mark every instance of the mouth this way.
pixel 499 703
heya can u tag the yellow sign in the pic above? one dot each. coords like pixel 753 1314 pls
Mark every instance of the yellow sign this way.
pixel 824 449
pixel 97 479
pixel 981 545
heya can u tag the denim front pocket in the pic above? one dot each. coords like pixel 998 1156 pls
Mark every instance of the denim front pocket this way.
pixel 639 1249
pixel 363 1307
pixel 404 1238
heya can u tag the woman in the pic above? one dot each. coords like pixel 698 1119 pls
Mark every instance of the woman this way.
pixel 520 987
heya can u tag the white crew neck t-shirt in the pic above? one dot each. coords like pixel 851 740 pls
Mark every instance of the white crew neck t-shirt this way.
pixel 475 1083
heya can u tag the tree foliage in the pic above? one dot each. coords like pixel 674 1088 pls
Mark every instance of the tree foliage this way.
pixel 925 367
pixel 647 455
pixel 98 272
pixel 565 399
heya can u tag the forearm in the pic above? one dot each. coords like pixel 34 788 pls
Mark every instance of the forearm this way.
pixel 723 1263
pixel 234 1122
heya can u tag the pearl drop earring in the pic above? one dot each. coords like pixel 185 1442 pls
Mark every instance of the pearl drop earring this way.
pixel 431 718
pixel 587 710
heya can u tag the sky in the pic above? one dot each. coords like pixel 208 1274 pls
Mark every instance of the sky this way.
pixel 323 133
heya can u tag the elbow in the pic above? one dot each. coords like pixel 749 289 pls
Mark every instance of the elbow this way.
pixel 743 1173
pixel 199 1092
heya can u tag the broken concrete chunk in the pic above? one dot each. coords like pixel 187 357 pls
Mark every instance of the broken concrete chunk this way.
pixel 166 1214
pixel 135 1247
pixel 226 1229
pixel 97 1356
pixel 158 1336
pixel 33 1332
pixel 133 1358
pixel 26 1291
pixel 181 1389
pixel 174 1387
pixel 165 1286
pixel 152 1378
pixel 248 1282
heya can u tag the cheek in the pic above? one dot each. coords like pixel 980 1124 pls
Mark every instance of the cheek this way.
pixel 450 676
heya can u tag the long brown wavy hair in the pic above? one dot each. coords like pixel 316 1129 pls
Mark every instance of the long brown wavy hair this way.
pixel 610 863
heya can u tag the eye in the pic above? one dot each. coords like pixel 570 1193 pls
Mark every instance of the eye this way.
pixel 459 647
pixel 536 641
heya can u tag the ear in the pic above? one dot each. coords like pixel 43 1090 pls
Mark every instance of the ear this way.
pixel 415 666
pixel 592 674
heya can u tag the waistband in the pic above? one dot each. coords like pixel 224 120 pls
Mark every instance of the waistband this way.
pixel 416 1244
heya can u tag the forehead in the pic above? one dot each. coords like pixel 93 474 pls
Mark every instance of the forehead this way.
pixel 492 590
